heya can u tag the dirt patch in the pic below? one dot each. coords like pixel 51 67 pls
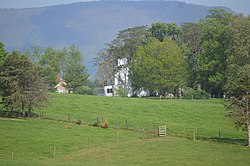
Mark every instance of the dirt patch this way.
pixel 12 119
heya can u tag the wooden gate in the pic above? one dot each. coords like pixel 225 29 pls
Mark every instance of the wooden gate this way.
pixel 162 131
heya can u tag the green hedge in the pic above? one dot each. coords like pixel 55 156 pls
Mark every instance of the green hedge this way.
pixel 190 93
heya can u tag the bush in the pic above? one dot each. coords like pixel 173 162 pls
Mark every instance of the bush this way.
pixel 79 122
pixel 105 124
pixel 97 124
pixel 121 91
pixel 190 93
pixel 85 90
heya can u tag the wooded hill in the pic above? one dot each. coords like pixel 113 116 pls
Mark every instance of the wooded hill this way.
pixel 89 25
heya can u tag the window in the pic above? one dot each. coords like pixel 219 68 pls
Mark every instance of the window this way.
pixel 101 90
pixel 109 90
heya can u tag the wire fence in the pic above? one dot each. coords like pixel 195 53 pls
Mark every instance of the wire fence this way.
pixel 146 132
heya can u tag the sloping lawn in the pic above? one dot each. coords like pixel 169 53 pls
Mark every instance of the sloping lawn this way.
pixel 182 117
pixel 36 141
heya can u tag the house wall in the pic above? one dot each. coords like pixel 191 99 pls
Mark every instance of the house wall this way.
pixel 61 89
pixel 121 79
pixel 108 90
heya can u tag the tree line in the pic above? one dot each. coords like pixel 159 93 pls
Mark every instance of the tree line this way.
pixel 205 55
pixel 211 55
pixel 26 78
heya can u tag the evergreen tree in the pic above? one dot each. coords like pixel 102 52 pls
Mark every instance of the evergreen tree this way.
pixel 74 72
pixel 21 85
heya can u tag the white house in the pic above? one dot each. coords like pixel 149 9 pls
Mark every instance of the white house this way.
pixel 122 77
pixel 121 80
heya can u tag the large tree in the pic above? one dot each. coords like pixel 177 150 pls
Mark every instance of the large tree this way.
pixel 239 49
pixel 48 61
pixel 190 40
pixel 124 46
pixel 21 85
pixel 161 31
pixel 68 63
pixel 130 39
pixel 213 59
pixel 158 66
pixel 3 54
pixel 238 85
pixel 74 71
pixel 239 107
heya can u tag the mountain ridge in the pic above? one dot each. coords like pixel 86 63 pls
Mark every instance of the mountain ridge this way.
pixel 89 25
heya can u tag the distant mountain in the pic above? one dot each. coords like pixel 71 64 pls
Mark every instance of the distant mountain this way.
pixel 89 25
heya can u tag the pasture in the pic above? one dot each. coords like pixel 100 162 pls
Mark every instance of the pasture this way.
pixel 50 140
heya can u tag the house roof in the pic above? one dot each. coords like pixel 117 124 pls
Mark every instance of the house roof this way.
pixel 61 83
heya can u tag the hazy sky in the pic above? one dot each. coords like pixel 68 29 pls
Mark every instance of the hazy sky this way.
pixel 240 6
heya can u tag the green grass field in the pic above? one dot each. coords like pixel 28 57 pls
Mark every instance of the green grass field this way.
pixel 32 141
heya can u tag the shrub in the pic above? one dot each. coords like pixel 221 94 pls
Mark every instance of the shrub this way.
pixel 79 122
pixel 190 93
pixel 85 90
pixel 121 91
pixel 97 124
pixel 105 124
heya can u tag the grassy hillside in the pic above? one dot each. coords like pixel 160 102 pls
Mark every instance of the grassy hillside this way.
pixel 207 116
pixel 32 141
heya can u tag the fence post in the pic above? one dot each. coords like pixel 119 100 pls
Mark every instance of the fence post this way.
pixel 117 135
pixel 219 136
pixel 187 132
pixel 88 142
pixel 54 154
pixel 127 124
pixel 68 117
pixel 12 155
pixel 194 135
pixel 41 114
pixel 142 131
